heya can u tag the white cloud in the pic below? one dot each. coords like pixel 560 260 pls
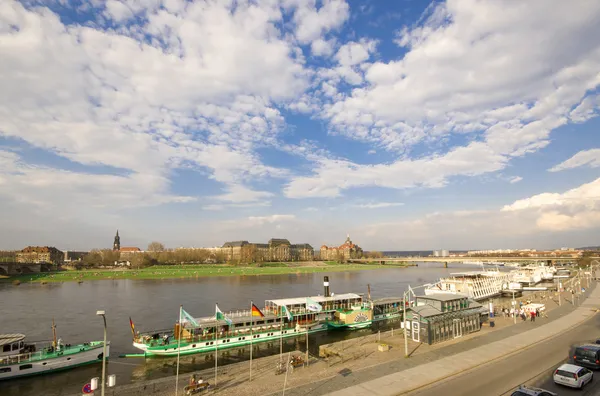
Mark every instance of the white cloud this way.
pixel 157 95
pixel 259 220
pixel 321 47
pixel 353 53
pixel 578 208
pixel 333 175
pixel 456 79
pixel 378 205
pixel 589 158
pixel 312 22
pixel 515 179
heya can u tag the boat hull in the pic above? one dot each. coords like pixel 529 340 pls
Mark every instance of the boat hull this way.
pixel 208 345
pixel 58 362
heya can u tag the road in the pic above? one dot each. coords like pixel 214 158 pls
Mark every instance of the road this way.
pixel 533 366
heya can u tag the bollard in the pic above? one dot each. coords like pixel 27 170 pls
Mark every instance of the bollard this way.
pixel 378 335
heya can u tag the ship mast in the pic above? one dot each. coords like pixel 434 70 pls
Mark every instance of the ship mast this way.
pixel 53 334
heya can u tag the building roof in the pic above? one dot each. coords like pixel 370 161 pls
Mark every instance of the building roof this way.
pixel 443 296
pixel 426 311
pixel 40 249
pixel 235 244
pixel 302 246
pixel 319 299
pixel 278 241
pixel 130 249
pixel 387 300
pixel 10 338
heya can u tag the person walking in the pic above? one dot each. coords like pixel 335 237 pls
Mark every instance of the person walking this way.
pixel 532 316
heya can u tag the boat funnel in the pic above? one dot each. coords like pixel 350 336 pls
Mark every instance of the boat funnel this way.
pixel 326 286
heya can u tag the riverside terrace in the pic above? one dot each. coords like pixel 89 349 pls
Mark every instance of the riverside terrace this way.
pixel 548 260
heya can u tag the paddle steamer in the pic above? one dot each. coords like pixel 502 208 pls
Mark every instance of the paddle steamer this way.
pixel 19 358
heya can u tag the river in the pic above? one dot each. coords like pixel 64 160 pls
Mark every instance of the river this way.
pixel 154 304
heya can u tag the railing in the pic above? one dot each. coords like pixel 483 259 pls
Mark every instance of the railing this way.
pixel 44 354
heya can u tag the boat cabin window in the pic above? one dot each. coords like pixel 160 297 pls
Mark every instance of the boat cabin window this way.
pixel 6 348
pixel 15 346
pixel 21 344
pixel 25 366
pixel 5 369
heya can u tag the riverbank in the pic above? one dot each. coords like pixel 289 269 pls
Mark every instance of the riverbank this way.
pixel 357 360
pixel 195 271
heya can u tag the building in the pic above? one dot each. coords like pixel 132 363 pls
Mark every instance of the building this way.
pixel 276 249
pixel 71 256
pixel 443 316
pixel 441 253
pixel 126 252
pixel 117 242
pixel 345 251
pixel 40 254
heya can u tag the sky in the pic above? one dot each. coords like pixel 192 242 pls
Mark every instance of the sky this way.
pixel 409 125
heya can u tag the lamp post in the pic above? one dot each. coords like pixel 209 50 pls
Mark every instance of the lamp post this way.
pixel 404 319
pixel 103 314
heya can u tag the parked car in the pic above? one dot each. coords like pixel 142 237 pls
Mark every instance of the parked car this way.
pixel 531 391
pixel 587 355
pixel 572 376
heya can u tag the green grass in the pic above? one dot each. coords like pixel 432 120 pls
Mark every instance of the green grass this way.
pixel 190 272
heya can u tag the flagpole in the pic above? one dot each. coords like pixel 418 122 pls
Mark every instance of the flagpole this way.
pixel 216 348
pixel 251 321
pixel 178 351
pixel 281 335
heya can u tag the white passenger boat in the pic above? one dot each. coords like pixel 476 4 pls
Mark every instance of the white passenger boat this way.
pixel 477 285
pixel 281 318
pixel 20 359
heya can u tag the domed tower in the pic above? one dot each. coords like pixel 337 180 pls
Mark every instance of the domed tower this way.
pixel 117 242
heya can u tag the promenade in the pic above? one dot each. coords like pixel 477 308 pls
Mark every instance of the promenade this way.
pixel 422 375
pixel 361 368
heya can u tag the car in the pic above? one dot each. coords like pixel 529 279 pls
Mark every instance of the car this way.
pixel 531 391
pixel 572 376
pixel 587 355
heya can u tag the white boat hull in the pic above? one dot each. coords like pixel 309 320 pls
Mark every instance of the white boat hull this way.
pixel 59 363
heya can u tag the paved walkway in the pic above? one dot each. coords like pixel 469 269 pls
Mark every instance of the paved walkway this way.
pixel 424 374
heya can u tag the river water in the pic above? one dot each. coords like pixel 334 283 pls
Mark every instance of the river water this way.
pixel 154 304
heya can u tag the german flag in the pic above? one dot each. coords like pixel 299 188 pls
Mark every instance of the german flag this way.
pixel 256 311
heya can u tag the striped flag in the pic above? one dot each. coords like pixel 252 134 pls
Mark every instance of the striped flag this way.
pixel 132 327
pixel 189 318
pixel 287 313
pixel 257 312
pixel 219 315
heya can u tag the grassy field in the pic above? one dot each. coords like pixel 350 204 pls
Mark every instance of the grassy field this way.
pixel 191 271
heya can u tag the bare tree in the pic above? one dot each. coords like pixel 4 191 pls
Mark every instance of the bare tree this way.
pixel 155 247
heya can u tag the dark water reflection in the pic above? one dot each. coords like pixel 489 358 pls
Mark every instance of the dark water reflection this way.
pixel 153 304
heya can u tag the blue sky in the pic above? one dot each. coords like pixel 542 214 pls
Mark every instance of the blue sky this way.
pixel 410 125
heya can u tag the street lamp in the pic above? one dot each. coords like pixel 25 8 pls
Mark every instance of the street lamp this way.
pixel 103 314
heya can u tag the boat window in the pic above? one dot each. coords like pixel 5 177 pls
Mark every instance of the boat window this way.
pixel 5 369
pixel 25 366
pixel 6 348
pixel 15 347
pixel 21 344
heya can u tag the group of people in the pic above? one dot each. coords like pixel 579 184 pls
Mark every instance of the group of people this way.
pixel 524 314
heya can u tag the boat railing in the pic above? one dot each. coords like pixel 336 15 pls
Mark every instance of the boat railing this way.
pixel 210 336
pixel 45 353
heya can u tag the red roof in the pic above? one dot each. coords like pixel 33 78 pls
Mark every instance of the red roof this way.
pixel 130 249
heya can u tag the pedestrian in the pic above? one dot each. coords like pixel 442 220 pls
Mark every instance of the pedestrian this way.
pixel 532 316
pixel 537 312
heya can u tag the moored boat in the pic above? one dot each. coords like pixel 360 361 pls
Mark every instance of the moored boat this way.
pixel 19 358
pixel 477 285
pixel 280 318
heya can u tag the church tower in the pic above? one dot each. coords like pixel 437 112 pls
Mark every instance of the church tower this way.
pixel 117 242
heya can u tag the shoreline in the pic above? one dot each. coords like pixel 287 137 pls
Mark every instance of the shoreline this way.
pixel 192 272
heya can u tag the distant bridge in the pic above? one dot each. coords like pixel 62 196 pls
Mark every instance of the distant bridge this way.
pixel 13 268
pixel 383 260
